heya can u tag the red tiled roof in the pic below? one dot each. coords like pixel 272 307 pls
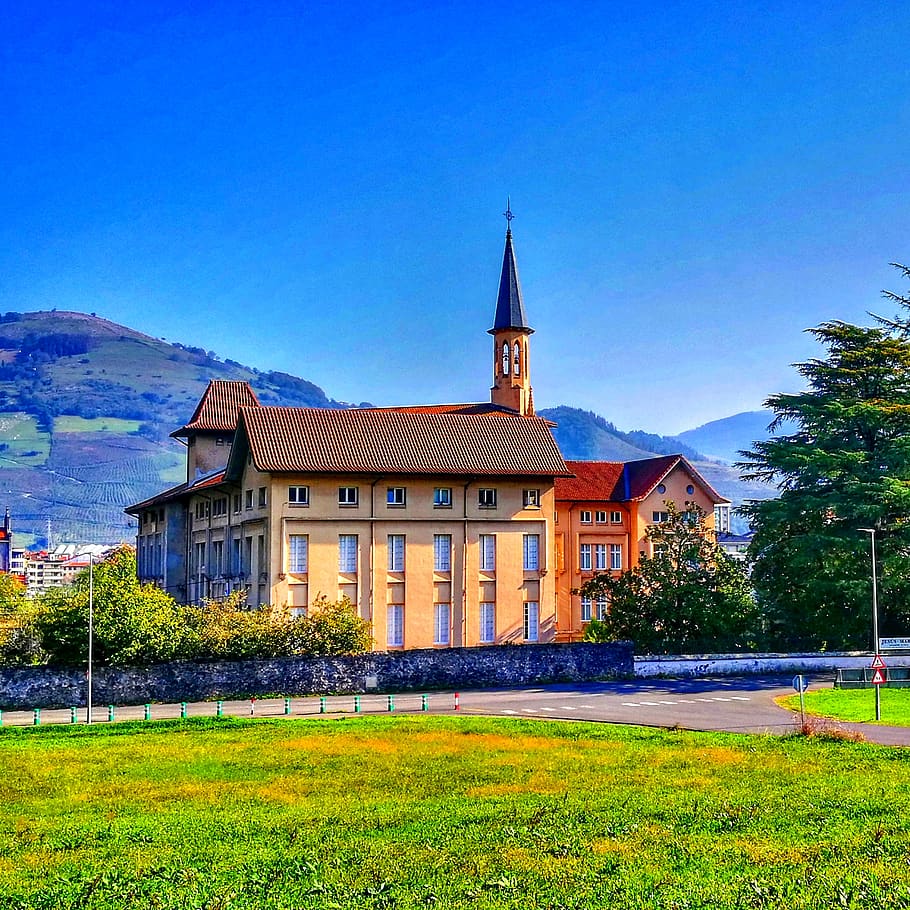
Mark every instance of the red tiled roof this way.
pixel 482 407
pixel 617 481
pixel 391 441
pixel 218 408
pixel 173 493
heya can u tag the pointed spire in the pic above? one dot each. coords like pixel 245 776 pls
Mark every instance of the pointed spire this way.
pixel 510 308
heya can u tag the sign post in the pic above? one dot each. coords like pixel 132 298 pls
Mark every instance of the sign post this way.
pixel 879 678
pixel 800 683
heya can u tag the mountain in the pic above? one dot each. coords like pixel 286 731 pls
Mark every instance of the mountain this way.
pixel 727 437
pixel 86 407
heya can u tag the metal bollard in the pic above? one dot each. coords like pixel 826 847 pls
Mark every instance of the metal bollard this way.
pixel 391 702
pixel 356 704
pixel 37 717
pixel 148 712
pixel 183 709
pixel 219 708
pixel 424 702
pixel 322 704
pixel 456 701
pixel 252 706
pixel 72 715
pixel 287 706
pixel 110 713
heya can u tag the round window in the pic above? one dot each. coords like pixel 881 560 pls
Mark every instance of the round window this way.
pixel 661 488
pixel 690 489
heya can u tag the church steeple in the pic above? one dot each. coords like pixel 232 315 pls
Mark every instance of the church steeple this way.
pixel 511 333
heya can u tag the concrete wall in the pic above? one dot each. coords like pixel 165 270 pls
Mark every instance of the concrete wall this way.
pixel 455 668
pixel 697 665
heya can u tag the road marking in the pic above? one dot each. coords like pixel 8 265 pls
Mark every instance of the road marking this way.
pixel 686 701
pixel 548 709
pixel 568 708
pixel 719 698
pixel 631 704
pixel 650 704
pixel 588 707
pixel 666 702
pixel 509 712
pixel 704 699
pixel 529 710
pixel 740 698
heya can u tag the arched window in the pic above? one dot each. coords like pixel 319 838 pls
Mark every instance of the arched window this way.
pixel 505 358
pixel 517 359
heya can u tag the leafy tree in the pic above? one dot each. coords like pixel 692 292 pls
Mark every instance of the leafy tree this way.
pixel 330 628
pixel 845 467
pixel 19 643
pixel 690 597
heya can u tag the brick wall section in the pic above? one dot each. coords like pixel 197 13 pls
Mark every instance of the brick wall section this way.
pixel 452 668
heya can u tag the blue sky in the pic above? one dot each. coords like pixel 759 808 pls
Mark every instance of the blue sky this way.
pixel 318 187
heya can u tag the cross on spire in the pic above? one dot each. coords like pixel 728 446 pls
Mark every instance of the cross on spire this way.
pixel 508 212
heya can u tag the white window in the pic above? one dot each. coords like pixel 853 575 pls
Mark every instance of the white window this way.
pixel 517 360
pixel 531 552
pixel 442 498
pixel 585 517
pixel 584 562
pixel 531 499
pixel 396 496
pixel 615 555
pixel 660 517
pixel 442 552
pixel 602 608
pixel 586 609
pixel 600 518
pixel 347 553
pixel 440 624
pixel 487 622
pixel 486 498
pixel 532 616
pixel 298 553
pixel 616 518
pixel 299 496
pixel 487 552
pixel 600 556
pixel 347 496
pixel 505 358
pixel 395 626
pixel 396 552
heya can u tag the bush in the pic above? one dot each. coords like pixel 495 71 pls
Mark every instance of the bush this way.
pixel 330 628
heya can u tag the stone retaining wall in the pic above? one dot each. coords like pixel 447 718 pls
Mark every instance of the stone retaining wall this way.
pixel 699 665
pixel 396 671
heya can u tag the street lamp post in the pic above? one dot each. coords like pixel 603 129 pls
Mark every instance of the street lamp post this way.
pixel 878 697
pixel 91 622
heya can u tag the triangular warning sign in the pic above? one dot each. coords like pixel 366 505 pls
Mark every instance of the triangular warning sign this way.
pixel 877 663
pixel 878 677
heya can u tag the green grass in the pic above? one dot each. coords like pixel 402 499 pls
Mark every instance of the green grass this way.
pixel 408 812
pixel 71 424
pixel 856 705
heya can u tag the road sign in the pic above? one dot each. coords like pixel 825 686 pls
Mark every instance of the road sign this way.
pixel 877 663
pixel 800 683
pixel 894 644
pixel 878 677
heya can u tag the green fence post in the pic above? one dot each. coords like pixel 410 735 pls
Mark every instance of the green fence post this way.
pixel 72 715
pixel 322 704
pixel 1 718
pixel 219 708
pixel 183 709
pixel 110 713
pixel 391 702
pixel 37 717
pixel 287 706
pixel 148 712
pixel 356 704
pixel 424 702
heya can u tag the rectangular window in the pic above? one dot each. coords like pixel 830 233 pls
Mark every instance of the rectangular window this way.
pixel 487 552
pixel 600 517
pixel 442 552
pixel 586 609
pixel 486 498
pixel 602 608
pixel 487 622
pixel 347 496
pixel 616 518
pixel 531 499
pixel 395 626
pixel 441 624
pixel 660 517
pixel 237 502
pixel 396 552
pixel 616 556
pixel 347 553
pixel 299 496
pixel 531 552
pixel 260 554
pixel 532 617
pixel 236 561
pixel 585 517
pixel 247 556
pixel 298 547
pixel 248 496
pixel 217 558
pixel 584 562
pixel 262 497
pixel 600 556
pixel 442 498
pixel 395 496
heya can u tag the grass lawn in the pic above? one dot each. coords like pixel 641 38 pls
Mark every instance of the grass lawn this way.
pixel 856 705
pixel 402 812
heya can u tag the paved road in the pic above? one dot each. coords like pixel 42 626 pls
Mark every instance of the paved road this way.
pixel 739 705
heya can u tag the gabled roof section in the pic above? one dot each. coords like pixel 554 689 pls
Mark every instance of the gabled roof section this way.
pixel 379 441
pixel 218 408
pixel 510 308
pixel 624 481
pixel 175 493
pixel 481 407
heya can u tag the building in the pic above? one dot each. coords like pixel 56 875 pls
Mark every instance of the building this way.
pixel 6 545
pixel 435 521
pixel 603 511
pixel 59 567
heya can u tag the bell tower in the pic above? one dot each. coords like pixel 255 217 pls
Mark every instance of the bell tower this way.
pixel 511 337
